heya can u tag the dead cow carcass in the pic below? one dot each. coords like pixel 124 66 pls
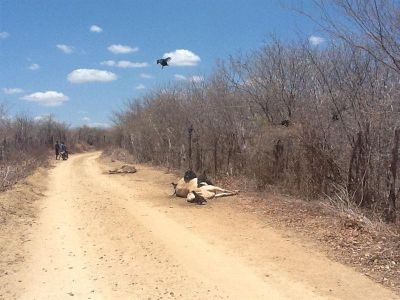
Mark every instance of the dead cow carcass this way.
pixel 125 169
pixel 186 184
pixel 198 189
pixel 201 194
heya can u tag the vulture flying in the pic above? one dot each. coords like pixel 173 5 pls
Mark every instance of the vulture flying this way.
pixel 163 61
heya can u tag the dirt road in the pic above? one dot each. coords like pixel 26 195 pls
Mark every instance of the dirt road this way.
pixel 122 237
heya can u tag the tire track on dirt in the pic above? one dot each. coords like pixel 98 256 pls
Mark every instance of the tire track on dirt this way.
pixel 102 237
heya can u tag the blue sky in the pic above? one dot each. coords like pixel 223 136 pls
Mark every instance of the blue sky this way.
pixel 81 60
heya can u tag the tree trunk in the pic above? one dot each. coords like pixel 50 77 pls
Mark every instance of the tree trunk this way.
pixel 391 211
pixel 190 130
pixel 215 157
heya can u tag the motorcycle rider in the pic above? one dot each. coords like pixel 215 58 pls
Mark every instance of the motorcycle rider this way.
pixel 57 149
pixel 63 149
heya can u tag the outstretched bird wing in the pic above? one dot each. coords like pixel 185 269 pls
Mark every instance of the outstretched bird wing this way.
pixel 163 61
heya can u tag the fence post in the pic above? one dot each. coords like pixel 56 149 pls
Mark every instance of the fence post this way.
pixel 215 157
pixel 391 211
pixel 190 130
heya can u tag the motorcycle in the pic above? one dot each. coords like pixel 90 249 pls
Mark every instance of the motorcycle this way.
pixel 64 155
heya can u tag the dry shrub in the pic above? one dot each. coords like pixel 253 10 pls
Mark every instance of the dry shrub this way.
pixel 118 154
pixel 26 143
pixel 20 165
pixel 287 115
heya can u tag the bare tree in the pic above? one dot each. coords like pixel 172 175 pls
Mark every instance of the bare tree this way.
pixel 309 120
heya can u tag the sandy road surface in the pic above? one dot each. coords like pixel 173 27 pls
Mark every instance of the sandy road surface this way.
pixel 122 237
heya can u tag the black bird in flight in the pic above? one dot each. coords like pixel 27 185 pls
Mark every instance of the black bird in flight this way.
pixel 163 62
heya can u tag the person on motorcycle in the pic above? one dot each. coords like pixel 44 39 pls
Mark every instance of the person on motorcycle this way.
pixel 57 149
pixel 64 152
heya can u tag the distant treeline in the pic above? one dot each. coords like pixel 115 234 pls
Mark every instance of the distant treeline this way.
pixel 318 121
pixel 26 143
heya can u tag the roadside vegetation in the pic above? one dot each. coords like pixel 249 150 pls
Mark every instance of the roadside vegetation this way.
pixel 26 143
pixel 316 121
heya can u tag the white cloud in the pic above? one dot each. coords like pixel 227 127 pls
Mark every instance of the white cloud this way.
pixel 122 49
pixel 124 64
pixel 98 124
pixel 48 98
pixel 4 35
pixel 34 67
pixel 196 78
pixel 86 119
pixel 182 57
pixel 146 76
pixel 140 87
pixel 65 48
pixel 90 75
pixel 95 28
pixel 11 91
pixel 110 63
pixel 316 40
pixel 128 64
pixel 43 118
pixel 180 77
pixel 38 118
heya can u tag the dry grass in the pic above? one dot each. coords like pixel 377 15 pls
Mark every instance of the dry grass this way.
pixel 336 226
pixel 21 165
pixel 346 235
pixel 118 154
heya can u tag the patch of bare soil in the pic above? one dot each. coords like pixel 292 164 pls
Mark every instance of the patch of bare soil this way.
pixel 125 237
pixel 18 212
pixel 371 248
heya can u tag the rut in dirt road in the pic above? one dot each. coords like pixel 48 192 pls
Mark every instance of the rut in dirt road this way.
pixel 102 237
